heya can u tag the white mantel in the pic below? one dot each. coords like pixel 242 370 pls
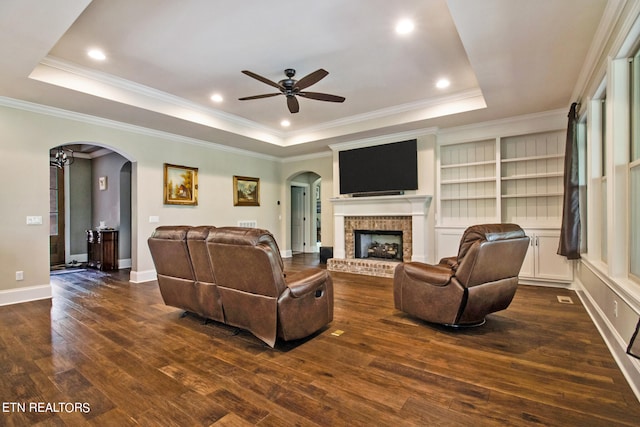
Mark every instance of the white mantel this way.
pixel 415 206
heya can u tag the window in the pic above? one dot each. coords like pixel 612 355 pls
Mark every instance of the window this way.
pixel 582 179
pixel 634 171
pixel 604 247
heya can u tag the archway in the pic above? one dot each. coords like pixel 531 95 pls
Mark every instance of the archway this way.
pixel 97 193
pixel 305 207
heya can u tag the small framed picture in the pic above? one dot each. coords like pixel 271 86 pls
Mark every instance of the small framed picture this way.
pixel 102 183
pixel 246 191
pixel 180 185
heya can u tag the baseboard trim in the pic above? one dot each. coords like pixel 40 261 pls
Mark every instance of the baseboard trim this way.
pixel 286 253
pixel 142 276
pixel 124 263
pixel 78 258
pixel 629 366
pixel 26 294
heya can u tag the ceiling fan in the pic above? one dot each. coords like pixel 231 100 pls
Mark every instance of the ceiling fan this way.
pixel 292 88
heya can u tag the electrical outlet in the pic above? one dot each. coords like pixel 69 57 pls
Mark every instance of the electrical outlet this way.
pixel 19 275
pixel 615 308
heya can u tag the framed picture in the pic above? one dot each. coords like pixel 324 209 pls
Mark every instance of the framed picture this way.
pixel 180 185
pixel 246 191
pixel 102 183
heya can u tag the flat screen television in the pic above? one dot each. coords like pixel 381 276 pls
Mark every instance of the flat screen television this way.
pixel 386 168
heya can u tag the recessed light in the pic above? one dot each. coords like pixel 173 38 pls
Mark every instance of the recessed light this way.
pixel 97 54
pixel 216 97
pixel 404 26
pixel 443 83
pixel 285 123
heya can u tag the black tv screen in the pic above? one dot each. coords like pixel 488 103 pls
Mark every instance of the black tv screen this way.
pixel 380 168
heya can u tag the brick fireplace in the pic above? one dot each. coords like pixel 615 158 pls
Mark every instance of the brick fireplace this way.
pixel 353 224
pixel 407 214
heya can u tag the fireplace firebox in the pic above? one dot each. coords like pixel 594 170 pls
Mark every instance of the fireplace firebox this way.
pixel 378 244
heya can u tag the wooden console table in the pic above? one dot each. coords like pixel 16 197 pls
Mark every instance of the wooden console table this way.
pixel 102 249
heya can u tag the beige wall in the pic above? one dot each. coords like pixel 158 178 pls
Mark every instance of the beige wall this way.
pixel 28 135
pixel 26 140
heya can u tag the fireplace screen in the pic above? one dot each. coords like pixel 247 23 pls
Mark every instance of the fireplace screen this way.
pixel 378 244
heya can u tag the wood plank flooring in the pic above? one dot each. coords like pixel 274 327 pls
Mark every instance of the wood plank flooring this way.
pixel 110 353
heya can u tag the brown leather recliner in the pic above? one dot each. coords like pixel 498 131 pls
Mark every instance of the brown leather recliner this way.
pixel 176 279
pixel 236 276
pixel 206 290
pixel 184 272
pixel 462 290
pixel 255 293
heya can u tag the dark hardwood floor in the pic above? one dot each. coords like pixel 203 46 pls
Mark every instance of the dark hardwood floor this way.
pixel 107 352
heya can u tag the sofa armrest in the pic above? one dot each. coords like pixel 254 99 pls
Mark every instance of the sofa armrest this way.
pixel 436 275
pixel 451 262
pixel 305 282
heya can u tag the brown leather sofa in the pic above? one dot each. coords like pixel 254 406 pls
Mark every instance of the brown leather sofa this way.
pixel 462 290
pixel 235 275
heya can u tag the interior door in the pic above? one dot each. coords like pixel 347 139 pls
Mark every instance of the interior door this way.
pixel 56 215
pixel 297 219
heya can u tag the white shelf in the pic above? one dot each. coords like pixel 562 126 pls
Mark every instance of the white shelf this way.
pixel 449 199
pixel 464 165
pixel 530 158
pixel 520 196
pixel 534 176
pixel 468 180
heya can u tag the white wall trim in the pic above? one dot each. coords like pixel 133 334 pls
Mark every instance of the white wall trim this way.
pixel 629 366
pixel 383 139
pixel 304 157
pixel 124 263
pixel 112 124
pixel 26 294
pixel 142 276
pixel 510 126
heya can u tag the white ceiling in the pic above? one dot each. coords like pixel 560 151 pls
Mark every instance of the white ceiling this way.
pixel 165 58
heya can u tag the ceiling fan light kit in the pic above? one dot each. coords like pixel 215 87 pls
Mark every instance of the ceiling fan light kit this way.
pixel 291 88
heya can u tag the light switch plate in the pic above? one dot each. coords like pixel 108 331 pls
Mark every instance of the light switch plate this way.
pixel 34 220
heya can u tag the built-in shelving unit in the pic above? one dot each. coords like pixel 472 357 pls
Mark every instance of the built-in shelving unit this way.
pixel 532 168
pixel 468 181
pixel 516 179
pixel 507 179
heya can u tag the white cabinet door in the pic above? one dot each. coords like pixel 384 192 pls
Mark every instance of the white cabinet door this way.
pixel 550 265
pixel 528 266
pixel 447 242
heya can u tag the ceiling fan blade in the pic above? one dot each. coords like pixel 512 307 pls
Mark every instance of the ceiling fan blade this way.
pixel 312 78
pixel 266 95
pixel 262 79
pixel 292 103
pixel 322 96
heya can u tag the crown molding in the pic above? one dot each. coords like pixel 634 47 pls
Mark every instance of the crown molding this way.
pixel 112 124
pixel 542 121
pixel 383 139
pixel 304 157
pixel 397 109
pixel 422 110
pixel 62 73
pixel 603 45
pixel 72 76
